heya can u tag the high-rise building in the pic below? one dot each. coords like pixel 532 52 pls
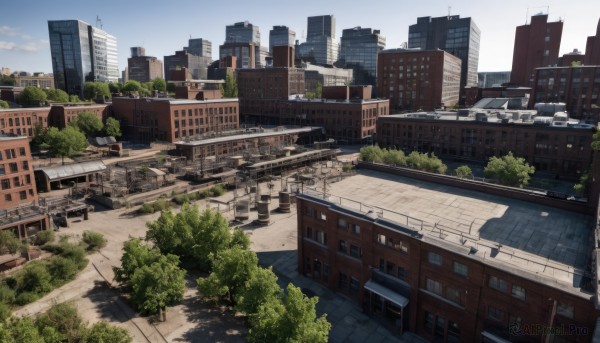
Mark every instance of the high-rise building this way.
pixel 281 36
pixel 200 47
pixel 359 51
pixel 492 78
pixel 143 68
pixel 456 35
pixel 320 46
pixel 536 45
pixel 242 40
pixel 592 48
pixel 419 79
pixel 81 53
pixel 195 64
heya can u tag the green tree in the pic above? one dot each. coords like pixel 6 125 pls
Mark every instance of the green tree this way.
pixel 509 170
pixel 115 87
pixel 230 90
pixel 65 142
pixel 158 285
pixel 57 95
pixel 294 320
pixel 4 104
pixel 371 153
pixel 74 98
pixel 260 288
pixel 232 268
pixel 132 86
pixel 394 157
pixel 62 269
pixel 64 318
pixel 596 141
pixel 32 97
pixel 159 84
pixel 112 127
pixel 94 240
pixel 6 80
pixel 135 256
pixel 95 90
pixel 24 330
pixel 170 87
pixel 319 90
pixel 102 332
pixel 582 186
pixel 34 278
pixel 88 123
pixel 9 242
pixel 464 172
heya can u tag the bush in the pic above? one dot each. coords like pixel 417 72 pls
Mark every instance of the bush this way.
pixel 26 298
pixel 147 208
pixel 94 240
pixel 218 190
pixel 464 172
pixel 62 269
pixel 75 253
pixel 34 277
pixel 5 312
pixel 43 237
pixel 7 295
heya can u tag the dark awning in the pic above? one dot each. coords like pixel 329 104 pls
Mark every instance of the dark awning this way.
pixel 386 293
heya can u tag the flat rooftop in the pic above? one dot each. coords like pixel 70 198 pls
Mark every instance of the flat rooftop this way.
pixel 548 244
pixel 249 135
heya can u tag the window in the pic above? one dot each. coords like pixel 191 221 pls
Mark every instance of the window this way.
pixel 309 232
pixel 434 258
pixel 565 310
pixel 2 169
pixel 381 239
pixel 343 282
pixel 498 284
pixel 23 195
pixel 7 197
pixel 428 321
pixel 6 184
pixel 309 211
pixel 21 151
pixel 25 165
pixel 495 313
pixel 342 247
pixel 16 181
pixel 453 295
pixel 434 286
pixel 518 292
pixel 323 216
pixel 354 285
pixel 322 237
pixel 355 229
pixel 460 269
pixel 355 251
pixel 13 167
pixel 342 224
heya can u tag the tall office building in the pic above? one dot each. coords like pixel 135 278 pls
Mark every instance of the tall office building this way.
pixel 592 48
pixel 143 68
pixel 536 45
pixel 200 47
pixel 81 53
pixel 242 40
pixel 196 65
pixel 320 46
pixel 458 36
pixel 359 51
pixel 281 36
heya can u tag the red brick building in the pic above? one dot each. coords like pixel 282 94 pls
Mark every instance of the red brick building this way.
pixel 17 183
pixel 259 88
pixel 160 119
pixel 592 48
pixel 22 121
pixel 537 44
pixel 418 80
pixel 61 115
pixel 448 264
pixel 577 87
pixel 555 151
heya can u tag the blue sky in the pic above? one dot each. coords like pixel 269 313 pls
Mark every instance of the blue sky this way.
pixel 163 27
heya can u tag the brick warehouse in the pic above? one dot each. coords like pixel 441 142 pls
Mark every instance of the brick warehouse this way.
pixel 564 152
pixel 418 80
pixel 447 263
pixel 161 119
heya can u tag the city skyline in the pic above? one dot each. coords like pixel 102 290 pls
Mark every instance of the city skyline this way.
pixel 164 30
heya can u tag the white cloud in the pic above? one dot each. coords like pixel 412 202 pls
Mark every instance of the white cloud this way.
pixel 8 31
pixel 26 37
pixel 28 47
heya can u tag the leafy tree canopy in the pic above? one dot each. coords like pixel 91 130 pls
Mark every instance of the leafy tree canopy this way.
pixel 230 89
pixel 4 104
pixel 464 172
pixel 65 142
pixel 88 123
pixel 95 90
pixel 113 127
pixel 57 95
pixel 32 97
pixel 159 84
pixel 509 170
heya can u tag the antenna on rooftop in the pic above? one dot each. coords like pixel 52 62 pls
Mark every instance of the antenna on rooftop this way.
pixel 98 22
pixel 449 9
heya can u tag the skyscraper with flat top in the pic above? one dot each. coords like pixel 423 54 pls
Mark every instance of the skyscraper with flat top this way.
pixel 320 46
pixel 81 53
pixel 453 34
pixel 359 50
pixel 242 40
pixel 281 36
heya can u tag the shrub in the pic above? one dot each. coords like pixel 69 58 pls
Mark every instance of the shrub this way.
pixel 26 298
pixel 34 277
pixel 75 253
pixel 7 295
pixel 147 208
pixel 161 205
pixel 62 269
pixel 43 237
pixel 464 172
pixel 94 240
pixel 5 312
pixel 218 190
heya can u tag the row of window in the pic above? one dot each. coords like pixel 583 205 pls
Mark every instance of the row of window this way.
pixel 22 195
pixel 393 243
pixel 345 225
pixel 211 110
pixel 449 293
pixel 11 153
pixel 17 121
pixel 13 167
pixel 457 267
pixel 349 249
pixel 17 182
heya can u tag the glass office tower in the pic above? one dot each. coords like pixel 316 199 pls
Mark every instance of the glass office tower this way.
pixel 359 50
pixel 281 36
